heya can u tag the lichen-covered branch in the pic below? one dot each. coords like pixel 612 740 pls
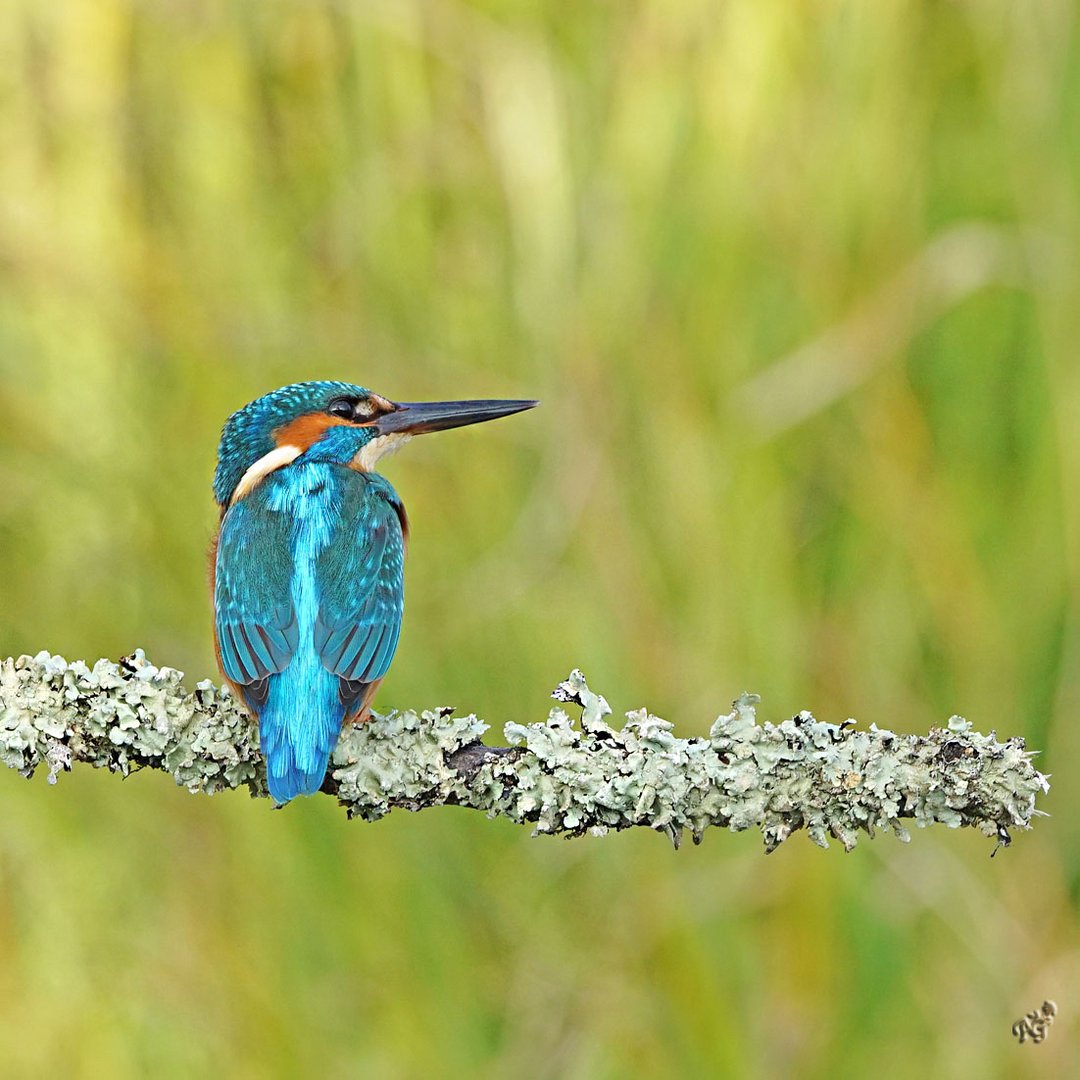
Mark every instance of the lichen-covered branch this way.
pixel 564 778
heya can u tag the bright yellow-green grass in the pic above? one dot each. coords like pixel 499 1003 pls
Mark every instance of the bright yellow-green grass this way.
pixel 799 287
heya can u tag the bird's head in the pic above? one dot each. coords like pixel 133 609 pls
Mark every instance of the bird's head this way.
pixel 330 421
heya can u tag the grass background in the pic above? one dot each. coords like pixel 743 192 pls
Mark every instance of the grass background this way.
pixel 797 284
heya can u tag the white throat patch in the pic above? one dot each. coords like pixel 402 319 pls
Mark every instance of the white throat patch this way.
pixel 379 447
pixel 276 459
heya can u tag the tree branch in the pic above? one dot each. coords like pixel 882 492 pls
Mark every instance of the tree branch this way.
pixel 800 774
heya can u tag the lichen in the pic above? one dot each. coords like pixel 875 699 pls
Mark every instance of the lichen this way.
pixel 834 781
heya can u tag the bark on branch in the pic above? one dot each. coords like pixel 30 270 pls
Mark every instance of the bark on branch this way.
pixel 832 780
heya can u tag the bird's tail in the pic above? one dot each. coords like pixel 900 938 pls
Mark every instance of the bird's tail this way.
pixel 297 733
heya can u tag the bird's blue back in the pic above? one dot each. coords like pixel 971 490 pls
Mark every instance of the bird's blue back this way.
pixel 309 593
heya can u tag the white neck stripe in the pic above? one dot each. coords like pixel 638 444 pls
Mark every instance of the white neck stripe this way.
pixel 276 459
pixel 380 446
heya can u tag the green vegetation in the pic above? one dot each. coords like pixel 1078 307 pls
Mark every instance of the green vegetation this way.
pixel 797 285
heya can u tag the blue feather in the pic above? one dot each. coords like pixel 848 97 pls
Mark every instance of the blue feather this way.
pixel 363 585
pixel 309 598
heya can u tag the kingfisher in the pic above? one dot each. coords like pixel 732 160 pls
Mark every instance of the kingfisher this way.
pixel 307 566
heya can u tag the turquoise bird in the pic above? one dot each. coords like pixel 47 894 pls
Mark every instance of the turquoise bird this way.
pixel 308 561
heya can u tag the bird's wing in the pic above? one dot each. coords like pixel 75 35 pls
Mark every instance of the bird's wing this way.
pixel 360 576
pixel 255 619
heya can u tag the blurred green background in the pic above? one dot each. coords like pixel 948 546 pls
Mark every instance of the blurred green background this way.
pixel 799 287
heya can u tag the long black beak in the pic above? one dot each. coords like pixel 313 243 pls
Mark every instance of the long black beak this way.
pixel 417 417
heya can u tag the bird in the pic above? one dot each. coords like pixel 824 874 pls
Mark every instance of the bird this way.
pixel 307 563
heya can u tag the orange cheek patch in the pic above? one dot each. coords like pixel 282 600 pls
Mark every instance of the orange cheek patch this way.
pixel 305 431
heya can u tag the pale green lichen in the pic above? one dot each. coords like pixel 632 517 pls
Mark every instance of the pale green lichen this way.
pixel 832 780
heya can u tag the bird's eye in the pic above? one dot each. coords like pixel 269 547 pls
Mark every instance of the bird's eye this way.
pixel 340 407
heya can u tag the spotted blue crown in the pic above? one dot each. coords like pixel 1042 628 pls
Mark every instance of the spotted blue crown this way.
pixel 249 433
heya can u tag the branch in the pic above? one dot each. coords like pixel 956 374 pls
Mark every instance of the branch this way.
pixel 800 774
